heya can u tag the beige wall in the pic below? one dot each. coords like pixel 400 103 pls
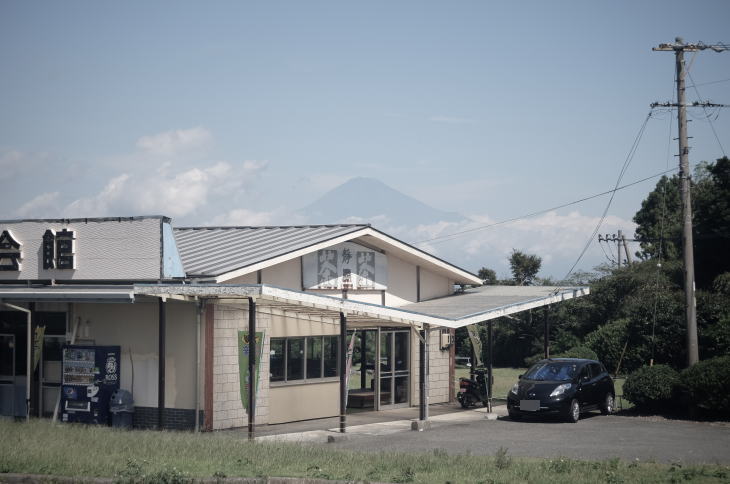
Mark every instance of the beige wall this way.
pixel 287 274
pixel 134 327
pixel 244 279
pixel 433 285
pixel 401 282
pixel 438 369
pixel 301 402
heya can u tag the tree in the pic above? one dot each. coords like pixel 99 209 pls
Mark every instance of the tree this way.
pixel 659 221
pixel 524 267
pixel 488 276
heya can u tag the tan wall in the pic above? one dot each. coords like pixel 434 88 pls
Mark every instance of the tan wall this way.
pixel 301 402
pixel 401 282
pixel 282 326
pixel 433 285
pixel 287 275
pixel 134 327
pixel 244 279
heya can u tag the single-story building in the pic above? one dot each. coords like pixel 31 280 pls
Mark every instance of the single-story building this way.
pixel 344 316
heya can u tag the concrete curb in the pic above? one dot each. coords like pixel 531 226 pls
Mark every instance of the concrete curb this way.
pixel 47 479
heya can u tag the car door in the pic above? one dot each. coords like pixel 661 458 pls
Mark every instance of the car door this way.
pixel 584 386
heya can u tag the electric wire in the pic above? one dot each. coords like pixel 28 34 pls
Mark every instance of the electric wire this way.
pixel 453 235
pixel 694 85
pixel 708 83
pixel 661 237
pixel 625 166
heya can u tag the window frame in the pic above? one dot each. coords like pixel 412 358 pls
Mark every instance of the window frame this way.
pixel 305 380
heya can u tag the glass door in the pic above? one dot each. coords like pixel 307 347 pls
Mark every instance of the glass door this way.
pixel 394 368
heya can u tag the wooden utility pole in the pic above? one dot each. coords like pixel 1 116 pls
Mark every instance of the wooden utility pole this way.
pixel 620 240
pixel 679 48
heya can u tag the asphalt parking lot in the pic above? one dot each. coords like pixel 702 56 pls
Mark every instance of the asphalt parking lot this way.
pixel 594 437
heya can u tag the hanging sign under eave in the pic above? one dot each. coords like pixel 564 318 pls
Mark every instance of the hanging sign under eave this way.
pixel 345 266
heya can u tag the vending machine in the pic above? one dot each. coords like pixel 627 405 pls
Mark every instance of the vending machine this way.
pixel 90 376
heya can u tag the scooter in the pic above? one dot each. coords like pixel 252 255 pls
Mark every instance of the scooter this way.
pixel 474 389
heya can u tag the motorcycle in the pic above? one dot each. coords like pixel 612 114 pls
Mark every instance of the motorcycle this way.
pixel 473 389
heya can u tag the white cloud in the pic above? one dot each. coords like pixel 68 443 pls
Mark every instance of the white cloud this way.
pixel 174 142
pixel 243 217
pixel 44 205
pixel 175 194
pixel 557 238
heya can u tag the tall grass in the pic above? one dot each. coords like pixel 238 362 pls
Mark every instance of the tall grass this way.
pixel 40 447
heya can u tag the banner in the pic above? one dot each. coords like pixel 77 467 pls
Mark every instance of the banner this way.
pixel 350 352
pixel 38 345
pixel 244 350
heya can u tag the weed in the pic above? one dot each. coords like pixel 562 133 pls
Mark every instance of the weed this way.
pixel 501 459
pixel 408 475
pixel 561 465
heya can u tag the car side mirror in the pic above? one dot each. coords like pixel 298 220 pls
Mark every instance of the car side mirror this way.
pixel 519 377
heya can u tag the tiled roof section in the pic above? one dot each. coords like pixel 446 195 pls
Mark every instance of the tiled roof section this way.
pixel 212 251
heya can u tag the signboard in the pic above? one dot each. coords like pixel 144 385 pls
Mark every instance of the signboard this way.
pixel 346 266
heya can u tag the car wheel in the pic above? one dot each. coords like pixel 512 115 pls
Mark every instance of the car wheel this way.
pixel 607 406
pixel 573 412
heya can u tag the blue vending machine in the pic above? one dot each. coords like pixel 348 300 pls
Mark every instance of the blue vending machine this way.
pixel 90 376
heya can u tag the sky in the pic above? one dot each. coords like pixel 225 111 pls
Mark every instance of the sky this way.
pixel 244 112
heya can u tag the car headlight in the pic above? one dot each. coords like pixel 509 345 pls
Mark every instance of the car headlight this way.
pixel 515 387
pixel 560 389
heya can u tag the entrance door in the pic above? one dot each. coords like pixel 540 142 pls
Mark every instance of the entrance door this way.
pixel 394 368
pixel 7 375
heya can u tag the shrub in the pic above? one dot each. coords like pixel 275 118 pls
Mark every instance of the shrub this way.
pixel 651 388
pixel 707 384
pixel 578 352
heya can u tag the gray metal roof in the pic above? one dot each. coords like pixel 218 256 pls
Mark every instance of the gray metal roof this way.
pixel 487 299
pixel 212 251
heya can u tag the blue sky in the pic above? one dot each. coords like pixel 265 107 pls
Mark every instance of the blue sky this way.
pixel 242 112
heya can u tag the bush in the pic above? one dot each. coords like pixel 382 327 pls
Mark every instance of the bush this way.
pixel 651 388
pixel 707 384
pixel 578 352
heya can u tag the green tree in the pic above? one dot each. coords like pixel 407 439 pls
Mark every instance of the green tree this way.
pixel 488 276
pixel 659 221
pixel 524 267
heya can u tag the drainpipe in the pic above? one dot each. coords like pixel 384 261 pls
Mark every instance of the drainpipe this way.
pixel 29 376
pixel 199 312
pixel 162 316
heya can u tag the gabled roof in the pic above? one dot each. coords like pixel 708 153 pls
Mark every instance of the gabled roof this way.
pixel 223 253
pixel 214 251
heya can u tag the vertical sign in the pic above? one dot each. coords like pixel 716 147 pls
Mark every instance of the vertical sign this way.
pixel 65 249
pixel 49 249
pixel 243 356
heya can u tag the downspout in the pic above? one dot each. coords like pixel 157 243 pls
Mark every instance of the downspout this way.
pixel 200 303
pixel 29 376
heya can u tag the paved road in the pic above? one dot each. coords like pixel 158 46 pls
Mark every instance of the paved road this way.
pixel 594 437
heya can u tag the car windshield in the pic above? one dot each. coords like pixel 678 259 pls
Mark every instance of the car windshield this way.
pixel 552 371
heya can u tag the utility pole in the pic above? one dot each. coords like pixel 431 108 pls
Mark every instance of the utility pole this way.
pixel 620 240
pixel 679 48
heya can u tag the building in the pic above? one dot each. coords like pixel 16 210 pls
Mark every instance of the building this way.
pixel 181 302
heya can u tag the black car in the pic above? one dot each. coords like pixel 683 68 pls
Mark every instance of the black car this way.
pixel 565 387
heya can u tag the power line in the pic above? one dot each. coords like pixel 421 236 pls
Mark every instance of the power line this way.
pixel 708 83
pixel 627 162
pixel 708 117
pixel 540 212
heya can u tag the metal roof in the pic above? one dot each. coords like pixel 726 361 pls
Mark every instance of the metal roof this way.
pixel 212 251
pixel 488 302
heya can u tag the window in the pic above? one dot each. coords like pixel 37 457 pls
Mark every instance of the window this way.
pixel 303 359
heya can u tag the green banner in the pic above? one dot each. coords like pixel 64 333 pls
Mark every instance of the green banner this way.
pixel 38 345
pixel 243 356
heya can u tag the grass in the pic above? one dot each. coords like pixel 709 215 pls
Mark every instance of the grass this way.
pixel 504 378
pixel 40 447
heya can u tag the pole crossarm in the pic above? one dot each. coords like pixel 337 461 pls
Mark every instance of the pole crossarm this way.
pixel 680 45
pixel 696 104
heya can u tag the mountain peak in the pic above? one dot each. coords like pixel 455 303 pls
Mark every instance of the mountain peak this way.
pixel 368 199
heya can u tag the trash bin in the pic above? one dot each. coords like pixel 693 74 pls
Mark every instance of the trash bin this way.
pixel 121 407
